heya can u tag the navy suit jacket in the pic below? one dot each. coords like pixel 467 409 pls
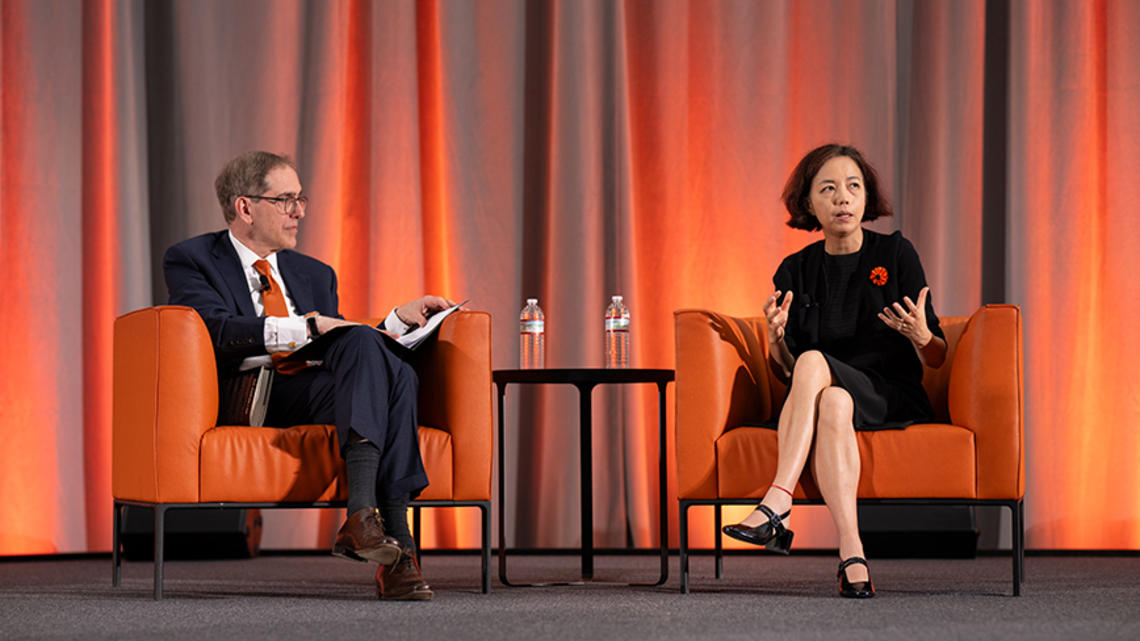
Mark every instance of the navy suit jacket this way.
pixel 205 273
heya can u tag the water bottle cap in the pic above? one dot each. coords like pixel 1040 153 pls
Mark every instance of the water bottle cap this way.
pixel 532 301
pixel 616 299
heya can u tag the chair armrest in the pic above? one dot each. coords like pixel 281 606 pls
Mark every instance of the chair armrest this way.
pixel 455 396
pixel 722 381
pixel 986 396
pixel 165 398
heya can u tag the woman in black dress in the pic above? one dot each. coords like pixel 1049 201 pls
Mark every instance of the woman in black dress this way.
pixel 850 334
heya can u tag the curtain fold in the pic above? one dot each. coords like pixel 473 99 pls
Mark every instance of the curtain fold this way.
pixel 1073 223
pixel 565 150
pixel 43 506
pixel 100 269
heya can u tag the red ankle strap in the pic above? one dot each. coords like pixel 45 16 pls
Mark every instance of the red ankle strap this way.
pixel 782 490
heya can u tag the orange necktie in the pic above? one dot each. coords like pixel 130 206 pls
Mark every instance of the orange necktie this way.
pixel 274 302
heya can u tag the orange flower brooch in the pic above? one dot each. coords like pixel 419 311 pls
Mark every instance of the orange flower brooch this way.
pixel 879 276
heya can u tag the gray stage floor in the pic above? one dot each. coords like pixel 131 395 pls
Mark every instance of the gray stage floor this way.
pixel 761 597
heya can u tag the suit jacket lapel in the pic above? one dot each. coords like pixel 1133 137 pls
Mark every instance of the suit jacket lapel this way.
pixel 297 282
pixel 230 266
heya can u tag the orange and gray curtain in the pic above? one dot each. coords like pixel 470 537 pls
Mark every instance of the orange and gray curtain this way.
pixel 570 150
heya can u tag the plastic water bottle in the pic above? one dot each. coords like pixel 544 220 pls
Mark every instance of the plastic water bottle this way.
pixel 532 336
pixel 617 334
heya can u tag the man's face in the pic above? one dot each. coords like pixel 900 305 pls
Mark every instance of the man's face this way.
pixel 271 228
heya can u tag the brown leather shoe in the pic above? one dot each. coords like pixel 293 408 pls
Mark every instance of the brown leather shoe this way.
pixel 362 538
pixel 402 581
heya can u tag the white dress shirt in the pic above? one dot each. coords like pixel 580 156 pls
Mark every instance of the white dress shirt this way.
pixel 283 334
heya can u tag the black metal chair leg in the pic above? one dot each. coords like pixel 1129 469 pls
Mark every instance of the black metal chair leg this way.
pixel 416 531
pixel 1017 514
pixel 159 537
pixel 116 554
pixel 719 543
pixel 1021 540
pixel 485 516
pixel 683 545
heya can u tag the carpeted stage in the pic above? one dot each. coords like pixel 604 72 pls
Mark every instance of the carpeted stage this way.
pixel 761 597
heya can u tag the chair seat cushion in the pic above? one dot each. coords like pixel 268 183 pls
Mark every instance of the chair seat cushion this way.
pixel 920 461
pixel 301 463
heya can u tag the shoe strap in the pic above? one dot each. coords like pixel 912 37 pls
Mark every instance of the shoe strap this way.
pixel 776 521
pixel 855 560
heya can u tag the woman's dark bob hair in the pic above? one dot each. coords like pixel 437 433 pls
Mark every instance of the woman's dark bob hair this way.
pixel 797 191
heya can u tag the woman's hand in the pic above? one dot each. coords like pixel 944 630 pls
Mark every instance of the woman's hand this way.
pixel 911 321
pixel 777 315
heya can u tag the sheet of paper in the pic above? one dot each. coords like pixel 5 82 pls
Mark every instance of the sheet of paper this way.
pixel 414 337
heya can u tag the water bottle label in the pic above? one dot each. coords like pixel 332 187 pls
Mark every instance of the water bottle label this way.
pixel 617 324
pixel 533 327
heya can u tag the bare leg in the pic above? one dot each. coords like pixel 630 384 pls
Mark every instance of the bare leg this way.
pixel 836 465
pixel 795 431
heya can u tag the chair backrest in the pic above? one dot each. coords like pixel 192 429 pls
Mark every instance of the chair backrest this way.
pixel 165 398
pixel 456 395
pixel 986 395
pixel 937 381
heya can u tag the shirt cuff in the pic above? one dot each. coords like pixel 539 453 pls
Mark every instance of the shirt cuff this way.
pixel 285 334
pixel 394 325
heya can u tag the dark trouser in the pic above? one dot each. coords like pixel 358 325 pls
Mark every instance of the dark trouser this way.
pixel 362 388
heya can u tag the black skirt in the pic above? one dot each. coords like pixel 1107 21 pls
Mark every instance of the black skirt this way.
pixel 879 405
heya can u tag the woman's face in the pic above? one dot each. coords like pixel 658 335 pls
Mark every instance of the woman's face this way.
pixel 838 197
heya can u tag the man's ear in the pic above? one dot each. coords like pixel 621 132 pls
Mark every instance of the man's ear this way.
pixel 241 206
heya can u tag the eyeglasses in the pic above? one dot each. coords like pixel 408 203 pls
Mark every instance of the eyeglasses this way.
pixel 287 204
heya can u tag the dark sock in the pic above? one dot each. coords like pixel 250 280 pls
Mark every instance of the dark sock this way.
pixel 394 515
pixel 362 463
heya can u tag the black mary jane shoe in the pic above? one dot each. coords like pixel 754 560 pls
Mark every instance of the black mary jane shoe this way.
pixel 858 589
pixel 771 534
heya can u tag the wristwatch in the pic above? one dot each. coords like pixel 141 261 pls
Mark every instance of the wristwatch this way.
pixel 311 321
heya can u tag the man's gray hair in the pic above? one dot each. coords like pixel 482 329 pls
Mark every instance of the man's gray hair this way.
pixel 245 176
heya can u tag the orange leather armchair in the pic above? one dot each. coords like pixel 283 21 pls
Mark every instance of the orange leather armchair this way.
pixel 972 454
pixel 169 452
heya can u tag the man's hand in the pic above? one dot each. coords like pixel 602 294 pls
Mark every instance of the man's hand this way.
pixel 415 313
pixel 325 323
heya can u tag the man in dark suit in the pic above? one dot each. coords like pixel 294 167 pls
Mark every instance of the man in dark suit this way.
pixel 260 300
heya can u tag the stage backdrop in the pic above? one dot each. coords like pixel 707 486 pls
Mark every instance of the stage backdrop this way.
pixel 504 149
